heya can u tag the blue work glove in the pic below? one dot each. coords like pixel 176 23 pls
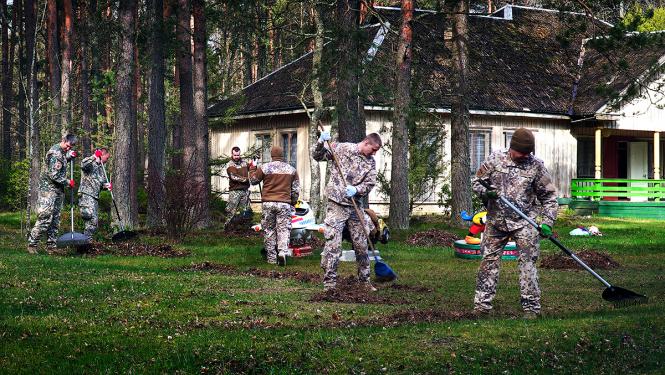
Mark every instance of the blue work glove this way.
pixel 325 136
pixel 351 190
pixel 545 230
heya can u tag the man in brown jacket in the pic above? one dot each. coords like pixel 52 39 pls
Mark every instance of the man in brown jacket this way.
pixel 281 188
pixel 238 172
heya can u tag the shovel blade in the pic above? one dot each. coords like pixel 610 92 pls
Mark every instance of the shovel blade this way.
pixel 383 272
pixel 124 235
pixel 72 239
pixel 620 296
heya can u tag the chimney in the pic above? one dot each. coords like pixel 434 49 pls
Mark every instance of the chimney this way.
pixel 508 12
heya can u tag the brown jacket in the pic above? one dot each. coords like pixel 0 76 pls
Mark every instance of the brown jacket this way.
pixel 238 175
pixel 280 182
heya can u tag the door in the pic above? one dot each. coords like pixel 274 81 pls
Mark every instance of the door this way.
pixel 638 165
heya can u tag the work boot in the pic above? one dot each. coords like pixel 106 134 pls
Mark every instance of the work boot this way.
pixel 281 258
pixel 32 249
pixel 531 315
pixel 472 240
pixel 370 287
pixel 329 288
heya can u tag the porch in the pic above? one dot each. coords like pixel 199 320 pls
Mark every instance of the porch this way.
pixel 619 174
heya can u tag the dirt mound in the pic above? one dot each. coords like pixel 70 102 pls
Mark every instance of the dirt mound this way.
pixel 234 271
pixel 432 237
pixel 410 288
pixel 592 258
pixel 132 249
pixel 349 290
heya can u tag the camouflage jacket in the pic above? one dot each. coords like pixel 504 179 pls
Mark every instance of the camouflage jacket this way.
pixel 238 175
pixel 359 170
pixel 280 182
pixel 92 177
pixel 54 171
pixel 527 185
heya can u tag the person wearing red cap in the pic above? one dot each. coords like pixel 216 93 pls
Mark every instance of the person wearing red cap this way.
pixel 93 180
pixel 517 175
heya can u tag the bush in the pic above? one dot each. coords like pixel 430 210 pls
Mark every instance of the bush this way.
pixel 14 180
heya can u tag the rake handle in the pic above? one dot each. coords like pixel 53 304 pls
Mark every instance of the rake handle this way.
pixel 355 206
pixel 71 195
pixel 554 240
pixel 122 226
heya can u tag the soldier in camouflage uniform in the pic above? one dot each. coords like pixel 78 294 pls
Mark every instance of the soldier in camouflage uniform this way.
pixel 92 181
pixel 523 179
pixel 238 172
pixel 52 185
pixel 357 161
pixel 281 188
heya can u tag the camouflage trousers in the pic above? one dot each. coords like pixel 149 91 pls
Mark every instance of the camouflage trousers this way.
pixel 48 217
pixel 337 216
pixel 89 208
pixel 528 245
pixel 276 224
pixel 238 199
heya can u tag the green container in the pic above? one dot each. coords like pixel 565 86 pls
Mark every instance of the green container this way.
pixel 468 251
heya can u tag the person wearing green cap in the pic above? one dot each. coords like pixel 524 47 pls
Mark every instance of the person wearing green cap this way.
pixel 522 178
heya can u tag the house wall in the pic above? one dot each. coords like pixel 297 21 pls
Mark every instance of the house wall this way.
pixel 554 144
pixel 645 112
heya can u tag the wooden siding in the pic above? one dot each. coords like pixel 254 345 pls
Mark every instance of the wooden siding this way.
pixel 554 144
pixel 644 112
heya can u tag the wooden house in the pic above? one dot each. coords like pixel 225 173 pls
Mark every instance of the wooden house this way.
pixel 595 108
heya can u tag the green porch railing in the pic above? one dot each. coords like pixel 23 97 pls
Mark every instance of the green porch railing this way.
pixel 597 189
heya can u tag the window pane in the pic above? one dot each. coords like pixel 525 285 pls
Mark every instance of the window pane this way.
pixel 479 144
pixel 507 136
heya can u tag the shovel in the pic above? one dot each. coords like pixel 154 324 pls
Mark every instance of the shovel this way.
pixel 72 238
pixel 123 235
pixel 617 295
pixel 382 271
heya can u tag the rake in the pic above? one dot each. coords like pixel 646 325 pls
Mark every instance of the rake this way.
pixel 72 238
pixel 618 296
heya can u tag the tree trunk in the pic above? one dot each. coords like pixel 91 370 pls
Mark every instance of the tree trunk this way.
pixel 19 40
pixel 123 138
pixel 33 101
pixel 53 57
pixel 460 170
pixel 184 58
pixel 7 93
pixel 200 104
pixel 157 122
pixel 315 169
pixel 350 111
pixel 66 72
pixel 399 174
pixel 86 111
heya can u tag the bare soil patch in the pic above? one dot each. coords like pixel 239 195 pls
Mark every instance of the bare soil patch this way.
pixel 234 271
pixel 350 290
pixel 593 259
pixel 131 249
pixel 432 237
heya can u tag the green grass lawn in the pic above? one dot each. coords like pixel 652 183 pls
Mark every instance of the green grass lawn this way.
pixel 142 315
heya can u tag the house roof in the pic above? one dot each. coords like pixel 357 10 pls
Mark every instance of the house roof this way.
pixel 529 63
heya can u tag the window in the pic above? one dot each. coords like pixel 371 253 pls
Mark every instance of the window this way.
pixel 290 146
pixel 263 142
pixel 507 136
pixel 480 148
pixel 585 157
